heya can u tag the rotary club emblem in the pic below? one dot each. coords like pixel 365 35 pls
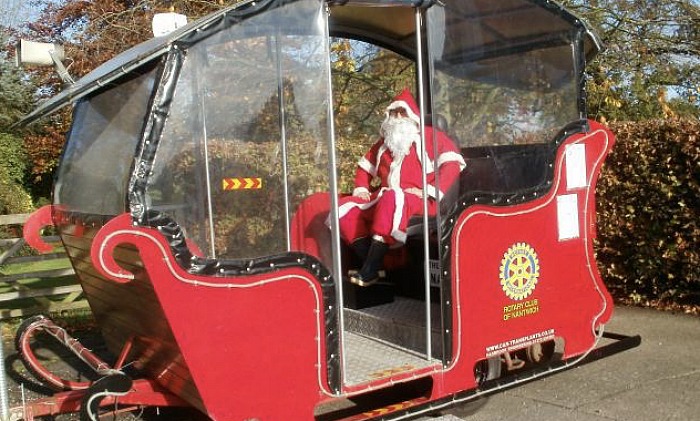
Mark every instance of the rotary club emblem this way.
pixel 520 270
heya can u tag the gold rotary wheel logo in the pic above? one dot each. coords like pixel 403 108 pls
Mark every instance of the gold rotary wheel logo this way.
pixel 520 270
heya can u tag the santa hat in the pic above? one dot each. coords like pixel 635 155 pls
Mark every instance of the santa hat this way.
pixel 406 101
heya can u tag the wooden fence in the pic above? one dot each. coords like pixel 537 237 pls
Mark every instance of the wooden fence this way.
pixel 19 299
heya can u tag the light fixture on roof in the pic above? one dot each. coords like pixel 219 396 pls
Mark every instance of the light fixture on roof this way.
pixel 43 54
pixel 165 23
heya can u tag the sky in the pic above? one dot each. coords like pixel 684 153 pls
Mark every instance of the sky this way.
pixel 16 11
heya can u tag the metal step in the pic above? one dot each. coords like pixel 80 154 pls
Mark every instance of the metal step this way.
pixel 401 322
pixel 370 359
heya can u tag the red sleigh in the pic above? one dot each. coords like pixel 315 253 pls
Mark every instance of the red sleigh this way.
pixel 208 248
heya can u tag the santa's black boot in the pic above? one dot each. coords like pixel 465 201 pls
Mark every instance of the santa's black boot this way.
pixel 369 273
pixel 361 248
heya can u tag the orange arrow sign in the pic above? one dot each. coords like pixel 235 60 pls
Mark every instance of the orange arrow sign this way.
pixel 242 183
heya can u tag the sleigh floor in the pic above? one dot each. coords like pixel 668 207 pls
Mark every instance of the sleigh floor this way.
pixel 388 339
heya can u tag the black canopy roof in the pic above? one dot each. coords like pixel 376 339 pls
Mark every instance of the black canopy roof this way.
pixel 384 25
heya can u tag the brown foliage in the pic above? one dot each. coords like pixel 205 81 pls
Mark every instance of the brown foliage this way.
pixel 649 213
pixel 97 30
pixel 92 32
pixel 44 147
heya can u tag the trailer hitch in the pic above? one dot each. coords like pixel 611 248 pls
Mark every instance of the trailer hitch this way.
pixel 86 397
pixel 36 324
pixel 113 385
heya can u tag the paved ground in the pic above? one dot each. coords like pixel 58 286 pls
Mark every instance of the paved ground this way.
pixel 659 380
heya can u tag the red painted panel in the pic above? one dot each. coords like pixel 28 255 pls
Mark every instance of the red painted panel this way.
pixel 517 282
pixel 124 311
pixel 253 344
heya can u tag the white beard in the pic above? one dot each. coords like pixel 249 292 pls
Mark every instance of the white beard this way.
pixel 399 134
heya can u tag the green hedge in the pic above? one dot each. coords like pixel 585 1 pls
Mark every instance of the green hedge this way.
pixel 649 213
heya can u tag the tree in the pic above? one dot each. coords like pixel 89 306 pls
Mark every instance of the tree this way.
pixel 95 31
pixel 13 12
pixel 651 67
pixel 91 32
pixel 14 197
pixel 15 99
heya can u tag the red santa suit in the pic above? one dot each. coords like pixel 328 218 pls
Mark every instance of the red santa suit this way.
pixel 385 216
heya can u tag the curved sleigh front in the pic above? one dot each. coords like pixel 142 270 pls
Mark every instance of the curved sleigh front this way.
pixel 234 333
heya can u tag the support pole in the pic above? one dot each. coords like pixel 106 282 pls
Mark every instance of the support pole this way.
pixel 424 160
pixel 4 401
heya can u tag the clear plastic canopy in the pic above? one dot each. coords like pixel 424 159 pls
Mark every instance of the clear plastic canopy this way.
pixel 226 122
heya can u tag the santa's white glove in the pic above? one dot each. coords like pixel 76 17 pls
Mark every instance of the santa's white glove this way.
pixel 361 193
pixel 415 191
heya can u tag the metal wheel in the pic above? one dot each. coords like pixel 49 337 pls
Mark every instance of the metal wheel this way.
pixel 540 352
pixel 488 369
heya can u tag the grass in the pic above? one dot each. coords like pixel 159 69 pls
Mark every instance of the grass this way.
pixel 47 303
pixel 50 264
pixel 38 282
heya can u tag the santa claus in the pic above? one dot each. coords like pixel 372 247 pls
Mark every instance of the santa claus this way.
pixel 374 219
